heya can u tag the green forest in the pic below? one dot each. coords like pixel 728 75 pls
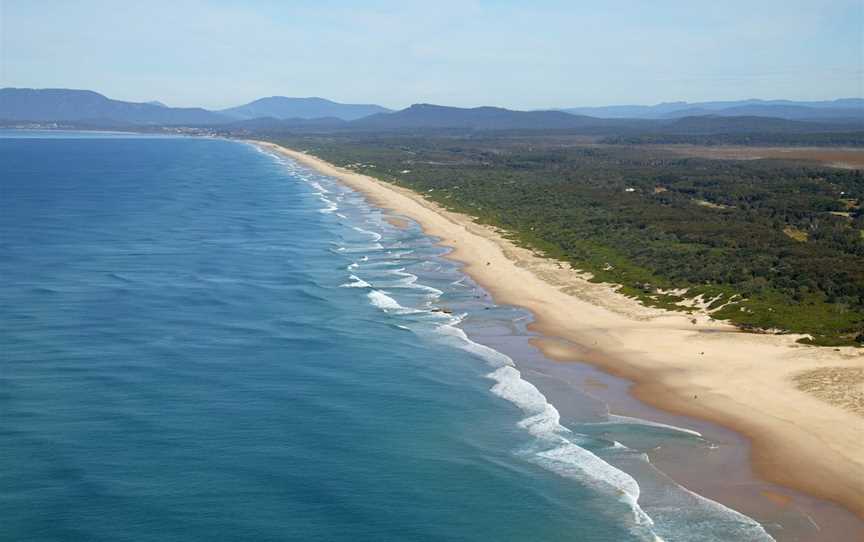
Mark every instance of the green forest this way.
pixel 772 245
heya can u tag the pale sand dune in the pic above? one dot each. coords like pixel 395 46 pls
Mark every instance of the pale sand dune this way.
pixel 802 439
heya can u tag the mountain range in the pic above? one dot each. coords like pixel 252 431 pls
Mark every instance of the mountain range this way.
pixel 280 107
pixel 424 117
pixel 845 109
pixel 278 113
pixel 52 104
pixel 65 105
pixel 475 118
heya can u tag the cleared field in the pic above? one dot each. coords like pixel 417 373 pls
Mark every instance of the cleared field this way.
pixel 839 157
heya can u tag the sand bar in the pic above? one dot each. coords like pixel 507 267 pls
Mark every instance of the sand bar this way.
pixel 803 436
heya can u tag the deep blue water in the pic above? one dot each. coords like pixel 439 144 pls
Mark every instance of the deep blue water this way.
pixel 204 342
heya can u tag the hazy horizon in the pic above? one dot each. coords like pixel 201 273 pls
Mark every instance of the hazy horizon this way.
pixel 221 54
pixel 572 106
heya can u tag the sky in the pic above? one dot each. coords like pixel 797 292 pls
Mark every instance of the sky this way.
pixel 517 54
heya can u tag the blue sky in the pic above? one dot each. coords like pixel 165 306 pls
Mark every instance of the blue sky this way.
pixel 529 54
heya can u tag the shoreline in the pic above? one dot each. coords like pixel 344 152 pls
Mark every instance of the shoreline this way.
pixel 707 370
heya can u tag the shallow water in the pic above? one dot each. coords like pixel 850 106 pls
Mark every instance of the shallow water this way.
pixel 204 341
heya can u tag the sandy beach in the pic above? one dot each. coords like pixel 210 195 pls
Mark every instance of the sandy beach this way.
pixel 802 407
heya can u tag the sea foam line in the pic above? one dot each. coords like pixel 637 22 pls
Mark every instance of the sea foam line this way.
pixel 554 449
pixel 375 235
pixel 380 299
pixel 317 186
pixel 353 250
pixel 356 282
pixel 617 418
pixel 409 280
pixel 331 205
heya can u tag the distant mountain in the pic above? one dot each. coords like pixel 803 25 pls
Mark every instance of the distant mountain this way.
pixel 790 112
pixel 426 116
pixel 717 124
pixel 273 125
pixel 52 104
pixel 842 109
pixel 286 115
pixel 281 107
pixel 629 111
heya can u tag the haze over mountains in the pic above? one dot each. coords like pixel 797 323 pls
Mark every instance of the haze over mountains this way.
pixel 284 113
pixel 51 105
pixel 845 108
pixel 23 104
pixel 281 107
pixel 484 118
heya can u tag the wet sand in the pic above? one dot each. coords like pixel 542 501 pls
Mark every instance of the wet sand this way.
pixel 722 472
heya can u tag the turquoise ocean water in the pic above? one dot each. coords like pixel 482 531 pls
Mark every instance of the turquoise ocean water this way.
pixel 202 341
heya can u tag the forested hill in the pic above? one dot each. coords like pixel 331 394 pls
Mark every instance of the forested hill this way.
pixel 426 116
pixel 767 244
pixel 58 105
pixel 282 107
pixel 439 121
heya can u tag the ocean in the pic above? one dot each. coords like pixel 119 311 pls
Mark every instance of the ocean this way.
pixel 204 341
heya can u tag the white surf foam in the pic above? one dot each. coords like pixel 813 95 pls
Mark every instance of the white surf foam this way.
pixel 554 448
pixel 380 299
pixel 490 355
pixel 559 453
pixel 331 205
pixel 615 418
pixel 365 248
pixel 356 282
pixel 375 235
pixel 275 157
pixel 383 301
pixel 735 525
pixel 317 186
pixel 409 280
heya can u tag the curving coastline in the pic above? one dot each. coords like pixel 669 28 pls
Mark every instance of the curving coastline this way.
pixel 705 369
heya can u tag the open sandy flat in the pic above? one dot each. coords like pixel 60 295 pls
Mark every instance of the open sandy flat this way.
pixel 840 157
